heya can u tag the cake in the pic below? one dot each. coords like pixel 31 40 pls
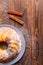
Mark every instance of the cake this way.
pixel 10 44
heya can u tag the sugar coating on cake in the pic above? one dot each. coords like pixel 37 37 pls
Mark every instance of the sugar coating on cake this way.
pixel 11 37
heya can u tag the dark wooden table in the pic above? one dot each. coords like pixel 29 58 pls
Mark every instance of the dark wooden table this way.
pixel 32 28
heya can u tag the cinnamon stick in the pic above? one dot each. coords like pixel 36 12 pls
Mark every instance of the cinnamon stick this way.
pixel 16 19
pixel 15 12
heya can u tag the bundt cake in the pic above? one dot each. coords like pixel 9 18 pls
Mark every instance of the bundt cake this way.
pixel 10 44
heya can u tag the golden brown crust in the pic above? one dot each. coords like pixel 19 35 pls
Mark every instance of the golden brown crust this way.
pixel 6 36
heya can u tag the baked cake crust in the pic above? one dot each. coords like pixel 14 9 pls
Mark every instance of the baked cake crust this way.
pixel 11 37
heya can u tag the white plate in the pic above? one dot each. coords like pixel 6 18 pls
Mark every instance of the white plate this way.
pixel 22 46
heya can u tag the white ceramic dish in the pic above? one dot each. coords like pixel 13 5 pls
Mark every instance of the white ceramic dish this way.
pixel 22 46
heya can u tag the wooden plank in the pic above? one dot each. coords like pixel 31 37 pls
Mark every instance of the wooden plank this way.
pixel 37 46
pixel 41 33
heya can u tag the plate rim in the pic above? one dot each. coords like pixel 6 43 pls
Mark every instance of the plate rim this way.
pixel 22 48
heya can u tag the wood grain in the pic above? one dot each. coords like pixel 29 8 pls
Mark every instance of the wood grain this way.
pixel 32 28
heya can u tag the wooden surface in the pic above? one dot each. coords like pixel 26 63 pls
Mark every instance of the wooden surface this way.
pixel 32 28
